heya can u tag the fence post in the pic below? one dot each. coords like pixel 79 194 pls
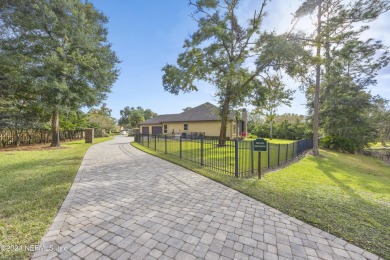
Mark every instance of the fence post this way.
pixel 201 151
pixel 278 154
pixel 287 153
pixel 166 144
pixel 293 153
pixel 259 165
pixel 148 141
pixel 180 148
pixel 298 147
pixel 155 142
pixel 252 159
pixel 236 158
pixel 269 155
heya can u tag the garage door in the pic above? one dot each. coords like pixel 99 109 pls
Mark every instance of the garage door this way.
pixel 145 130
pixel 156 130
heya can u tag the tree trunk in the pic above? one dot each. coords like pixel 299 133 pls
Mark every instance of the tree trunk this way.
pixel 224 119
pixel 318 83
pixel 270 130
pixel 55 129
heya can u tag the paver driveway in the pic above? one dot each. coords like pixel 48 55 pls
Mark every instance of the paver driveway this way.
pixel 125 204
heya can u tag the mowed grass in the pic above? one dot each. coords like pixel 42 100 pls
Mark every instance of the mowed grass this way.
pixel 33 185
pixel 346 195
pixel 379 145
pixel 279 141
pixel 273 141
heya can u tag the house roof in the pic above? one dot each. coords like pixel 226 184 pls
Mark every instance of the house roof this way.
pixel 204 112
pixel 157 119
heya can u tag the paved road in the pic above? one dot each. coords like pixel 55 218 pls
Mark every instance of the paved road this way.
pixel 125 204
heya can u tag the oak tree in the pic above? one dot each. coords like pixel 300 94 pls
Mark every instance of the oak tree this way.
pixel 229 55
pixel 269 96
pixel 61 53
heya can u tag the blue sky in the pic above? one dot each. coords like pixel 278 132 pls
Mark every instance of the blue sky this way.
pixel 146 35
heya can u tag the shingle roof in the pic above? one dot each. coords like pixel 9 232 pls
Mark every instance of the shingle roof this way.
pixel 157 119
pixel 204 112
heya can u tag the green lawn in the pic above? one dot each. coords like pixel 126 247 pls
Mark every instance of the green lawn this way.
pixel 279 141
pixel 379 145
pixel 274 141
pixel 346 195
pixel 33 187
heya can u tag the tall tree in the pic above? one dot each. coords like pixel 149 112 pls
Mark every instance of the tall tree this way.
pixel 136 117
pixel 148 114
pixel 271 95
pixel 18 108
pixel 101 118
pixel 345 66
pixel 62 49
pixel 220 51
pixel 131 117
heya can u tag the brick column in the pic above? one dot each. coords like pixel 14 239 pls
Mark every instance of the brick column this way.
pixel 89 135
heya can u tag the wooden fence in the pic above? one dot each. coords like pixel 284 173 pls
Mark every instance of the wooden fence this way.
pixel 11 137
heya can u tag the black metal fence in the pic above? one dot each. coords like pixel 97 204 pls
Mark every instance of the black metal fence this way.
pixel 234 157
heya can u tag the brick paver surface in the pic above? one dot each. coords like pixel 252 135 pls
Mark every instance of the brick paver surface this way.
pixel 125 204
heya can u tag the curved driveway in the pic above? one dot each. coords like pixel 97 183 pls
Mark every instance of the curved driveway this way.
pixel 125 204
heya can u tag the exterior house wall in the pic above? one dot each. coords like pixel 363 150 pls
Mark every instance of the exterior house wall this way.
pixel 200 119
pixel 210 128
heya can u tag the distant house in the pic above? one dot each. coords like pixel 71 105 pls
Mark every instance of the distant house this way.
pixel 199 121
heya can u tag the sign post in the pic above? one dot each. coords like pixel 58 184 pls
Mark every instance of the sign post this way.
pixel 259 166
pixel 259 145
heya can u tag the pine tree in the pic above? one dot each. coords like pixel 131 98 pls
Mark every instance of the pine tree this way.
pixel 345 66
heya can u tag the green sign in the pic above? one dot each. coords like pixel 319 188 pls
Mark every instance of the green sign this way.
pixel 259 145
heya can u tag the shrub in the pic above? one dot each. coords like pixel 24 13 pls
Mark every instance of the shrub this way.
pixel 338 143
pixel 284 130
pixel 262 131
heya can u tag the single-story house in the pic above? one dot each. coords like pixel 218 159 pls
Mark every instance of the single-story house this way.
pixel 202 120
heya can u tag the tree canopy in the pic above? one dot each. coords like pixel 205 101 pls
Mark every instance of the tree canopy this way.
pixel 101 118
pixel 269 96
pixel 345 66
pixel 229 55
pixel 131 117
pixel 57 54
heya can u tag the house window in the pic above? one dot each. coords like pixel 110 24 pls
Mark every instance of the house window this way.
pixel 185 127
pixel 165 129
